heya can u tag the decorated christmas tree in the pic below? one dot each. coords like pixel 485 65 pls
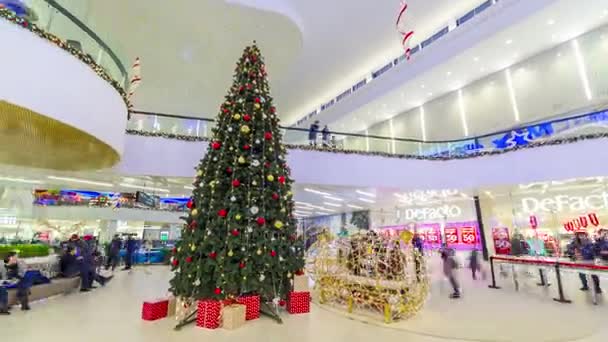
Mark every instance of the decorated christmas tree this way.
pixel 240 233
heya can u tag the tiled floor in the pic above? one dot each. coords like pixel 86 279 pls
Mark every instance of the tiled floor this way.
pixel 113 314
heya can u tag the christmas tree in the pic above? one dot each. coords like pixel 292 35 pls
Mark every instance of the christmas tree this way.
pixel 240 234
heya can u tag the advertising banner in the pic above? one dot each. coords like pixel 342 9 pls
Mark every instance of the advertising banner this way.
pixel 502 241
pixel 462 235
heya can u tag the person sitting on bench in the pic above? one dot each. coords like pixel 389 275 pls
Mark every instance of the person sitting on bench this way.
pixel 69 263
pixel 16 270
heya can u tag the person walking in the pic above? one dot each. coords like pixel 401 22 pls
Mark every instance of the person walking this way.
pixel 130 246
pixel 581 249
pixel 325 133
pixel 312 133
pixel 474 263
pixel 4 308
pixel 418 255
pixel 113 252
pixel 449 270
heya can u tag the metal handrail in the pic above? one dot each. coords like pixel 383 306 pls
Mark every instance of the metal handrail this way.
pixel 515 128
pixel 93 36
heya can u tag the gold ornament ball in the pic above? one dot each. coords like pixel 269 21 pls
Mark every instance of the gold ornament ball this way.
pixel 179 249
pixel 278 224
pixel 257 106
pixel 236 117
pixel 283 210
pixel 199 172
pixel 192 248
pixel 245 129
pixel 242 160
pixel 194 212
pixel 237 217
pixel 270 178
pixel 259 252
pixel 230 253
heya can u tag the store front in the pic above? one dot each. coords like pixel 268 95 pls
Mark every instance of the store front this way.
pixel 545 215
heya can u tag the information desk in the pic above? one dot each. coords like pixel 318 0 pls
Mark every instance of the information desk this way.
pixel 548 264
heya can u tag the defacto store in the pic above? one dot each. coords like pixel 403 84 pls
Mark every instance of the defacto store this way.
pixel 545 214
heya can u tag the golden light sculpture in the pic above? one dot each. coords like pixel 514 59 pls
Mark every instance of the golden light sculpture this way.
pixel 34 140
pixel 383 278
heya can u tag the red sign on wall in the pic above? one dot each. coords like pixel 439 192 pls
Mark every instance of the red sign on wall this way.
pixel 468 235
pixel 502 241
pixel 582 222
pixel 533 222
pixel 451 236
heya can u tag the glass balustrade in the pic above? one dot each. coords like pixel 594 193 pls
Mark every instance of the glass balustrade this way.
pixel 590 125
pixel 62 19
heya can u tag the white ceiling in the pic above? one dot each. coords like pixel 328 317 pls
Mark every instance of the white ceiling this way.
pixel 313 48
pixel 543 30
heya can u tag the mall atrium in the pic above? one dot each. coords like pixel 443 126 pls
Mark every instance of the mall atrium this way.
pixel 291 170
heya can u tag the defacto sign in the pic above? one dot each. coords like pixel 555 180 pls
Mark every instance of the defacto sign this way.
pixel 565 203
pixel 434 213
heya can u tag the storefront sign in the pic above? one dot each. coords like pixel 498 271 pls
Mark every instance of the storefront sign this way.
pixel 462 235
pixel 435 213
pixel 502 241
pixel 563 202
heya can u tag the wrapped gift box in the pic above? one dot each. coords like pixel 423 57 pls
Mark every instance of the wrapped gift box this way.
pixel 154 309
pixel 252 306
pixel 172 306
pixel 184 308
pixel 233 316
pixel 208 315
pixel 300 283
pixel 298 302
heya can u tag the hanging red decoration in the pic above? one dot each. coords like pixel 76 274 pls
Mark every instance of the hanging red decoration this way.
pixel 242 265
pixel 222 213
pixel 175 262
pixel 300 272
pixel 282 179
pixel 267 165
pixel 261 221
pixel 236 183
pixel 257 100
pixel 249 86
pixel 273 254
pixel 212 255
pixel 246 147
pixel 174 250
pixel 193 225
pixel 229 170
pixel 216 145
pixel 282 302
pixel 268 135
pixel 406 34
pixel 189 259
pixel 235 232
pixel 190 204
pixel 272 110
pixel 247 117
pixel 275 196
pixel 218 291
pixel 241 88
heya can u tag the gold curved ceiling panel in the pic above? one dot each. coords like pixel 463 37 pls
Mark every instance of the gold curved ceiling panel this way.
pixel 31 139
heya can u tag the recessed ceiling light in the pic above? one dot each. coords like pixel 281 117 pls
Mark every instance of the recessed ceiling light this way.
pixel 482 69
pixel 368 194
pixel 559 54
pixel 422 86
pixel 430 94
pixel 448 73
pixel 509 41
pixel 476 59
pixel 550 22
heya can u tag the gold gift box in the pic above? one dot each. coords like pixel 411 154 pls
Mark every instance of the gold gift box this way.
pixel 233 316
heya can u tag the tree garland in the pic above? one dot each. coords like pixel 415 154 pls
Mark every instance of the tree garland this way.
pixel 83 57
pixel 473 154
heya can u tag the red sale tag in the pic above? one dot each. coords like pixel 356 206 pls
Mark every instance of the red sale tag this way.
pixel 468 235
pixel 451 235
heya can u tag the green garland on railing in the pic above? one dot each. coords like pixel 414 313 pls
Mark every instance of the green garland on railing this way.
pixel 83 57
pixel 568 140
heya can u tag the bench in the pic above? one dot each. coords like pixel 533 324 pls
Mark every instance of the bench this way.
pixel 56 287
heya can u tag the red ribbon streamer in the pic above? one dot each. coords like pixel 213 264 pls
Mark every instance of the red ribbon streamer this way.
pixel 406 35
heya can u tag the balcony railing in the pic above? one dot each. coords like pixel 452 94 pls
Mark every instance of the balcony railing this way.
pixel 563 130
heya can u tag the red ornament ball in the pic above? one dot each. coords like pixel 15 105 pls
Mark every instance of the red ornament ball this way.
pixel 189 259
pixel 268 135
pixel 236 183
pixel 222 213
pixel 235 232
pixel 273 253
pixel 267 165
pixel 247 117
pixel 300 272
pixel 282 179
pixel 216 145
pixel 175 262
pixel 282 302
pixel 190 204
pixel 275 196
pixel 257 100
pixel 212 255
pixel 246 147
pixel 261 221
pixel 174 250
pixel 193 225
pixel 229 170
pixel 272 110
pixel 218 291
pixel 242 265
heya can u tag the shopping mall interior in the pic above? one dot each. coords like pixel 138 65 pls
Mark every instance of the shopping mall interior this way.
pixel 247 169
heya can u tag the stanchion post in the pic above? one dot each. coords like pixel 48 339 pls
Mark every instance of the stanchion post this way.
pixel 543 278
pixel 493 286
pixel 560 289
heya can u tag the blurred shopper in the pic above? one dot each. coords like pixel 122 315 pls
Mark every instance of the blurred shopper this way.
pixel 581 249
pixel 16 270
pixel 113 252
pixel 68 263
pixel 326 134
pixel 313 132
pixel 601 245
pixel 130 246
pixel 449 270
pixel 3 292
pixel 418 247
pixel 474 263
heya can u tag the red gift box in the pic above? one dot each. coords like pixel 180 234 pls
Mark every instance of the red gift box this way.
pixel 252 306
pixel 298 302
pixel 208 315
pixel 156 309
